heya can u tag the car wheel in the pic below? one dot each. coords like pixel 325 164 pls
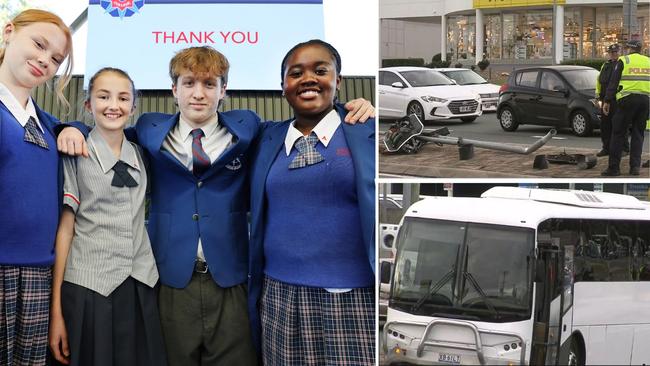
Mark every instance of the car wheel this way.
pixel 507 120
pixel 581 124
pixel 468 119
pixel 415 108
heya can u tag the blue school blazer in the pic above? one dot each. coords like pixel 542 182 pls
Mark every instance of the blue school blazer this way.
pixel 361 141
pixel 213 207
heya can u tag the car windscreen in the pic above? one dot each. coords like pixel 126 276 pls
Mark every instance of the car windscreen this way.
pixel 584 79
pixel 465 77
pixel 419 78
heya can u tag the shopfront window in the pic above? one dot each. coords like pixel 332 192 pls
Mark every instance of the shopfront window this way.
pixel 461 37
pixel 589 32
pixel 493 36
pixel 644 32
pixel 570 49
pixel 528 35
pixel 609 29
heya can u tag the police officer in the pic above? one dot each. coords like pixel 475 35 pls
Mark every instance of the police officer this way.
pixel 630 87
pixel 601 86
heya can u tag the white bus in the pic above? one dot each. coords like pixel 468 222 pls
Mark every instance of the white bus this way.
pixel 521 276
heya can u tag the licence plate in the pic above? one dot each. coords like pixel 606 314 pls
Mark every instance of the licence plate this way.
pixel 489 105
pixel 449 358
pixel 466 108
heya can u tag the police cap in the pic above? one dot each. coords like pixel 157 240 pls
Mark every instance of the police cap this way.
pixel 634 44
pixel 613 48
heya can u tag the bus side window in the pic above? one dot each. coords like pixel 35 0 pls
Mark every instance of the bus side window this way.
pixel 590 260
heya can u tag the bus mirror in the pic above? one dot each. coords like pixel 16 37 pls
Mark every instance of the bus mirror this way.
pixel 540 271
pixel 385 272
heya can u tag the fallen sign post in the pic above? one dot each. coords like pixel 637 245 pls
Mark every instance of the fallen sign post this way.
pixel 407 135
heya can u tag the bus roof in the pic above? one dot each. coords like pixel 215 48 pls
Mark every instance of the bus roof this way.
pixel 526 207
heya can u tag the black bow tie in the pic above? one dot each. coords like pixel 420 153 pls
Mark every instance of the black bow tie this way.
pixel 122 178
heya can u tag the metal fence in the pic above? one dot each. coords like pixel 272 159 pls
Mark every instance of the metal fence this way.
pixel 269 105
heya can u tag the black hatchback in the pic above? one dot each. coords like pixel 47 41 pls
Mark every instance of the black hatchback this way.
pixel 559 96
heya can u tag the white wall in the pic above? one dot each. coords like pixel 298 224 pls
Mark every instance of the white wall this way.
pixel 409 39
pixel 410 8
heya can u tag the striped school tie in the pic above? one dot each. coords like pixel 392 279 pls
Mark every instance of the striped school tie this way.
pixel 307 153
pixel 200 160
pixel 34 135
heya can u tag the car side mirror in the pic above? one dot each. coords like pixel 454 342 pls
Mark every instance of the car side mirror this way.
pixel 398 84
pixel 385 272
pixel 561 89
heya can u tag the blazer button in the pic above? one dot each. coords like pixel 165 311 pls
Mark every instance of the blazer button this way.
pixel 195 217
pixel 199 184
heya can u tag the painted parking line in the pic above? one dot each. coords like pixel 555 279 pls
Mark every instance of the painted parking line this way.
pixel 552 138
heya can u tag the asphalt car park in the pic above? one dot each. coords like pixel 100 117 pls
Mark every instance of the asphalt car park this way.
pixel 487 128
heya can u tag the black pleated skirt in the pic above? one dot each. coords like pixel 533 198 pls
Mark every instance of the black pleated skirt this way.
pixel 121 329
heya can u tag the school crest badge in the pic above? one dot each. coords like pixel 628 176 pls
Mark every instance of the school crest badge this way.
pixel 121 8
pixel 234 165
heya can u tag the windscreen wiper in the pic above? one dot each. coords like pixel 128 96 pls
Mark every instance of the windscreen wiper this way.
pixel 438 285
pixel 480 291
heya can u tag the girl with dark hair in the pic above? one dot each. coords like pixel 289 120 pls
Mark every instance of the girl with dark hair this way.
pixel 312 235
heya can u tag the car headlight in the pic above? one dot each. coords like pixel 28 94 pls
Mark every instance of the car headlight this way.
pixel 597 103
pixel 431 99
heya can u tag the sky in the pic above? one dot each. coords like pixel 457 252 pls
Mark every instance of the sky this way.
pixel 350 25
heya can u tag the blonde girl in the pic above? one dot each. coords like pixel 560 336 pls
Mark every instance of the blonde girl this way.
pixel 36 44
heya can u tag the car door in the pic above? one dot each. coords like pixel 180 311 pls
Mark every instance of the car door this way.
pixel 553 102
pixel 526 95
pixel 392 100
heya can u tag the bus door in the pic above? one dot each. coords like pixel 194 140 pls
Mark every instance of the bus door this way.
pixel 568 274
pixel 548 302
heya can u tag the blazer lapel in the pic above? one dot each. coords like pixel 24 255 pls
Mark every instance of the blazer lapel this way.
pixel 159 132
pixel 233 154
pixel 270 145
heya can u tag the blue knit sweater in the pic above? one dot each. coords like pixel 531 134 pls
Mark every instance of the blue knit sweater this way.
pixel 313 228
pixel 29 194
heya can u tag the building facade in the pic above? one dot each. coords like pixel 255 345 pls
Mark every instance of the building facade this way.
pixel 517 31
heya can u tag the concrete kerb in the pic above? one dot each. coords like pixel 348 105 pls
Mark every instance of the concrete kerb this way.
pixel 443 162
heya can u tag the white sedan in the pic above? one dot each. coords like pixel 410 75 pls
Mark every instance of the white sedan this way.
pixel 467 78
pixel 426 93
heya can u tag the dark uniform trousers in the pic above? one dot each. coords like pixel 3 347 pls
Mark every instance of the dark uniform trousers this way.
pixel 204 324
pixel 632 113
pixel 606 129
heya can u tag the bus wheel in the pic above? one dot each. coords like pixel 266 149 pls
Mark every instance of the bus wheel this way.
pixel 574 358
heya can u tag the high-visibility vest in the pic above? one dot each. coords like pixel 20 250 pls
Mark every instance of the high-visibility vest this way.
pixel 635 78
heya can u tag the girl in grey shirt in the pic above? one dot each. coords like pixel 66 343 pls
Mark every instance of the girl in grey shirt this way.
pixel 104 309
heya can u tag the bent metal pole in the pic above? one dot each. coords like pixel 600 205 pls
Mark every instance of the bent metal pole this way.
pixel 525 150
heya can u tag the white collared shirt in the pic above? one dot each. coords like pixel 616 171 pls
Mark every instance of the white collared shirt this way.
pixel 216 139
pixel 324 130
pixel 19 112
